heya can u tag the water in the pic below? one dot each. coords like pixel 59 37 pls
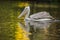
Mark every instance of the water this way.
pixel 49 32
pixel 9 11
pixel 43 30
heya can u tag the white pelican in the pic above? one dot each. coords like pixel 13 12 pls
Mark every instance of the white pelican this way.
pixel 40 16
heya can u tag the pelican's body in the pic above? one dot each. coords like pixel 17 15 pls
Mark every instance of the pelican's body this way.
pixel 41 16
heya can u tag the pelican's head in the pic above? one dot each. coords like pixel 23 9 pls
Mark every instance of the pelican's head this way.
pixel 25 11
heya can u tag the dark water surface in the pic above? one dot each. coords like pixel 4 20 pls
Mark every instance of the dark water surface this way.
pixel 49 32
pixel 44 30
pixel 9 11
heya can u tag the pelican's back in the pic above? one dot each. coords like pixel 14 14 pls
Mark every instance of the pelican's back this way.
pixel 41 15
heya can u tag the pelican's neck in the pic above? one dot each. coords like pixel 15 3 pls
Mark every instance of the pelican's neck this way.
pixel 28 12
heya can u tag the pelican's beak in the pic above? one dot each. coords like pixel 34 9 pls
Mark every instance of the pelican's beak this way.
pixel 24 11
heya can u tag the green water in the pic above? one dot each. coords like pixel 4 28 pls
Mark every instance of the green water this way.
pixel 8 19
pixel 50 33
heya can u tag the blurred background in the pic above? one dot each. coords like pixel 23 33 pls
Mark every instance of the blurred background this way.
pixel 10 10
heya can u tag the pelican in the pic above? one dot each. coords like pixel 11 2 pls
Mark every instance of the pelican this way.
pixel 40 16
pixel 39 20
